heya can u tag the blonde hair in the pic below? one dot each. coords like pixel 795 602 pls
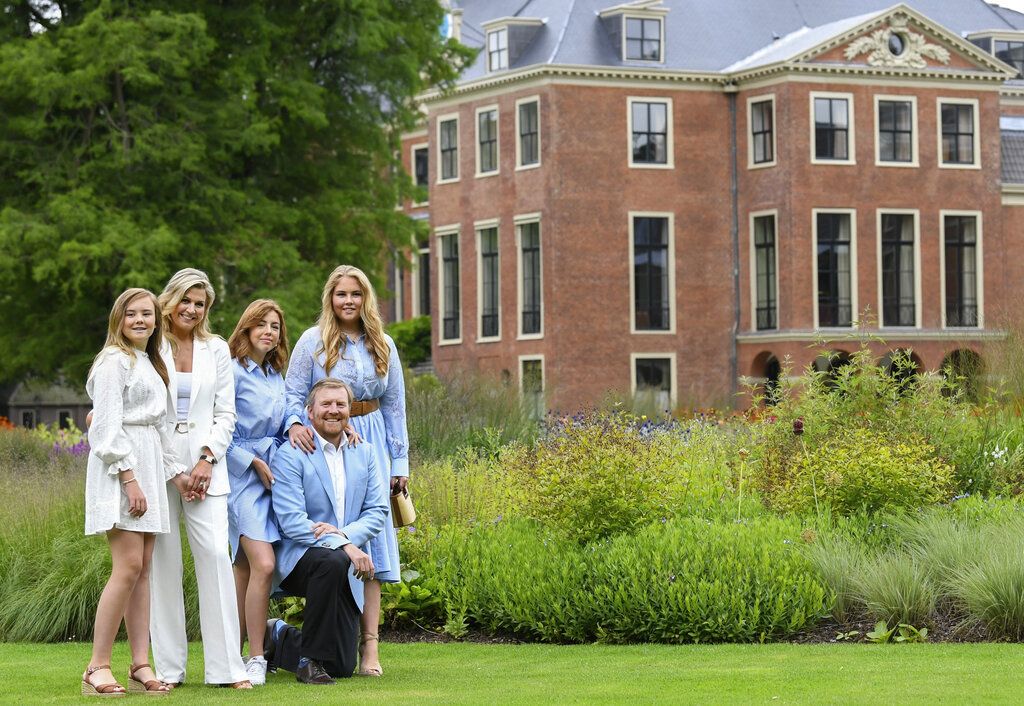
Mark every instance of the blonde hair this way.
pixel 117 339
pixel 328 384
pixel 239 343
pixel 332 341
pixel 179 283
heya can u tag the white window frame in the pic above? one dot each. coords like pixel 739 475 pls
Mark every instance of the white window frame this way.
pixel 851 147
pixel 399 290
pixel 774 213
pixel 487 49
pixel 916 213
pixel 915 140
pixel 497 139
pixel 524 219
pixel 519 153
pixel 418 251
pixel 440 233
pixel 761 98
pixel 478 228
pixel 441 119
pixel 973 102
pixel 854 301
pixel 674 383
pixel 413 149
pixel 977 215
pixel 543 373
pixel 632 215
pixel 661 47
pixel 669 135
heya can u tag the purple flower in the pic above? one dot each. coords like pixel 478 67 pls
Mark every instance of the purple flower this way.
pixel 798 426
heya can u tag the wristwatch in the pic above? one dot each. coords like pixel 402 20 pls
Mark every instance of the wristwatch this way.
pixel 208 458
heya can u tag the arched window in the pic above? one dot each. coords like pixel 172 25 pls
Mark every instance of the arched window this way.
pixel 965 369
pixel 766 370
pixel 903 365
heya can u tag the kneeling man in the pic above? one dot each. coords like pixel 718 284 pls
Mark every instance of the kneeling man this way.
pixel 328 504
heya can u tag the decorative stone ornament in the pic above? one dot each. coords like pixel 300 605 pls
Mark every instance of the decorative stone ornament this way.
pixel 896 46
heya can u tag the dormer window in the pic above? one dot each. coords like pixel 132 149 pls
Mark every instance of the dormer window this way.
pixel 643 38
pixel 1005 45
pixel 1012 53
pixel 507 39
pixel 497 49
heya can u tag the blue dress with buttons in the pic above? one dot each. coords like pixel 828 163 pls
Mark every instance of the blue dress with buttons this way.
pixel 260 405
pixel 384 429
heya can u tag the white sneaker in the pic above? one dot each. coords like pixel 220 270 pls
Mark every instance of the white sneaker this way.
pixel 256 668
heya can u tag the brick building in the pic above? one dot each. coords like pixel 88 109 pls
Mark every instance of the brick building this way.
pixel 661 197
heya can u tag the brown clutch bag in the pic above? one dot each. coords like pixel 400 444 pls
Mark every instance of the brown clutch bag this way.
pixel 402 511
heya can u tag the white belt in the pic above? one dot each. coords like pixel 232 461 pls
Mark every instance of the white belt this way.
pixel 181 427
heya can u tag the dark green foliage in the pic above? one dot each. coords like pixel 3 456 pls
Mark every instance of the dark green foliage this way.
pixel 254 140
pixel 412 338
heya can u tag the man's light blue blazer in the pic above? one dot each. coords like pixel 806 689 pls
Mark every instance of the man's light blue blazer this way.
pixel 303 494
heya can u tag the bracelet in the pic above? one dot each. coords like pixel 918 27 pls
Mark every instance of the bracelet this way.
pixel 126 482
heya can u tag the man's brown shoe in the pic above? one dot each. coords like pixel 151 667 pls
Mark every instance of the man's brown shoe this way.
pixel 312 673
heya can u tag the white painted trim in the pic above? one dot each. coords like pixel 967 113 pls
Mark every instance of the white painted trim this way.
pixel 979 258
pixel 774 213
pixel 423 132
pixel 513 21
pixel 399 291
pixel 632 215
pixel 440 233
pixel 487 48
pixel 673 371
pixel 520 221
pixel 845 335
pixel 441 119
pixel 543 372
pixel 669 135
pixel 418 252
pixel 486 223
pixel 851 147
pixel 854 76
pixel 914 142
pixel 412 159
pixel 497 139
pixel 977 131
pixel 761 98
pixel 640 15
pixel 535 98
pixel 854 302
pixel 478 228
pixel 918 304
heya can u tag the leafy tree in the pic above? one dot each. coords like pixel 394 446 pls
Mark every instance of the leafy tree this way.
pixel 255 140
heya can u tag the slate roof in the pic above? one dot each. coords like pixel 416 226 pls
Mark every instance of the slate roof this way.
pixel 703 35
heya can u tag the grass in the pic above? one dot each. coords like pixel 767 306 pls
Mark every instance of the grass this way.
pixel 456 673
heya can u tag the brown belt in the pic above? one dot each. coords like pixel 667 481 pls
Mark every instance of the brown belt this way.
pixel 361 407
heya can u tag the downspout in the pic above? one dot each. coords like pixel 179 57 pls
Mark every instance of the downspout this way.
pixel 730 92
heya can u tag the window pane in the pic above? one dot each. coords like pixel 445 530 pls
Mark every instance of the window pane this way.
pixel 651 274
pixel 654 383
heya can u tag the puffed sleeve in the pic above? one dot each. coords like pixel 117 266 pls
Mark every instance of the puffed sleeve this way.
pixel 392 407
pixel 223 402
pixel 239 458
pixel 299 378
pixel 173 464
pixel 107 438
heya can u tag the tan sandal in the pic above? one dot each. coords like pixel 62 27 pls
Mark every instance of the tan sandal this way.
pixel 153 687
pixel 245 684
pixel 110 689
pixel 370 671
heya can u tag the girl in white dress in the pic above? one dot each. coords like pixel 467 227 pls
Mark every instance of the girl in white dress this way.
pixel 130 460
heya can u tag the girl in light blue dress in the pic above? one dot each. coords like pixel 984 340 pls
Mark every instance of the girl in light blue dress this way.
pixel 259 350
pixel 349 343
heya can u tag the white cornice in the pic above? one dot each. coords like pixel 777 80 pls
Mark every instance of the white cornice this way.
pixel 889 336
pixel 509 21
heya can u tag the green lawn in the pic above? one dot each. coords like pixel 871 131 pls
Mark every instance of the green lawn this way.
pixel 474 674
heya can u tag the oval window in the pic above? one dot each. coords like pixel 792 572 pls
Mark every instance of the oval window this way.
pixel 896 44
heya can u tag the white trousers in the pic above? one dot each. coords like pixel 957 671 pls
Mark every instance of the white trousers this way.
pixel 206 523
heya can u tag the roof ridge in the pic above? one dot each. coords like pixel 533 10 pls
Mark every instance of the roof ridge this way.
pixel 561 35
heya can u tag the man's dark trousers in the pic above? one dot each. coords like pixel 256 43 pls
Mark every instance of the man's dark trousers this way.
pixel 330 624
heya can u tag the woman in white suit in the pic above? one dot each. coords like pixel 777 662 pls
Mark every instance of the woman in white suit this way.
pixel 202 385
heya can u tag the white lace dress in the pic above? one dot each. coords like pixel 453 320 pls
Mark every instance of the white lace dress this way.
pixel 128 431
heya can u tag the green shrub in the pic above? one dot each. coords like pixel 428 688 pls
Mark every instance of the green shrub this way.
pixel 859 469
pixel 412 339
pixel 691 580
pixel 596 478
pixel 510 577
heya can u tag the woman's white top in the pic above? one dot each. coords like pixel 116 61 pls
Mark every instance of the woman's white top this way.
pixel 184 395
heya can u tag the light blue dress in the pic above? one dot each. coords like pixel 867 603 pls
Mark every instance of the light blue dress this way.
pixel 260 405
pixel 384 429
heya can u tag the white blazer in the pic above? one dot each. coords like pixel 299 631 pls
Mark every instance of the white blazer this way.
pixel 211 412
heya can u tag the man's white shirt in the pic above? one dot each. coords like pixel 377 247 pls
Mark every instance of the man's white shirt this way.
pixel 336 467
